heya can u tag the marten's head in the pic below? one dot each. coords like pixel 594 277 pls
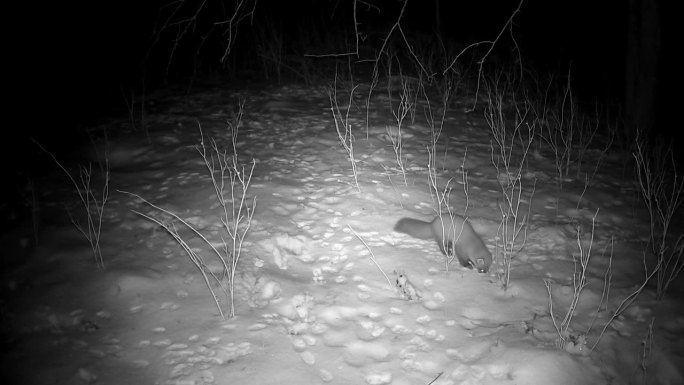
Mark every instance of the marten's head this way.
pixel 480 265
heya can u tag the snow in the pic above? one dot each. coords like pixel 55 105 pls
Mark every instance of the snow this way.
pixel 312 307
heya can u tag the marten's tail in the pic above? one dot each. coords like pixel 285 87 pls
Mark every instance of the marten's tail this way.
pixel 415 228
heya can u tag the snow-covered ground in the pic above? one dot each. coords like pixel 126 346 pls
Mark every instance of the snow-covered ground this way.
pixel 312 306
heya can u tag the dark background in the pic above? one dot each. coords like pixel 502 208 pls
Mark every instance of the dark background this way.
pixel 73 64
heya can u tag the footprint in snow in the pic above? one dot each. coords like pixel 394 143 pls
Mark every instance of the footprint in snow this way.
pixel 472 352
pixel 360 353
pixel 434 301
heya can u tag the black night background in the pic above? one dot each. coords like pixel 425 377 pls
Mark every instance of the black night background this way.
pixel 342 191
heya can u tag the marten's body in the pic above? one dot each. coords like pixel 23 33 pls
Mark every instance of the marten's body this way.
pixel 454 235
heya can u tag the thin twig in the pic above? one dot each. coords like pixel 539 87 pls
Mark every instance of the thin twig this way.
pixel 372 257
